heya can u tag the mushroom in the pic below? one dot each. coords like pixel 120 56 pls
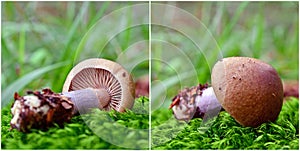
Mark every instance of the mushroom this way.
pixel 101 83
pixel 90 84
pixel 248 89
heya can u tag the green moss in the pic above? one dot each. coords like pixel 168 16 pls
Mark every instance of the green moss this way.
pixel 226 133
pixel 79 133
pixel 113 130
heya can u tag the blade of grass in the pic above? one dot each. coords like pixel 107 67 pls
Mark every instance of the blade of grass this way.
pixel 68 53
pixel 73 29
pixel 217 18
pixel 234 20
pixel 205 8
pixel 127 33
pixel 98 15
pixel 258 33
pixel 8 9
pixel 21 51
pixel 5 50
pixel 7 94
pixel 71 12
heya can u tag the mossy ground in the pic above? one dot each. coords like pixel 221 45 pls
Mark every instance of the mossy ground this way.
pixel 78 135
pixel 224 133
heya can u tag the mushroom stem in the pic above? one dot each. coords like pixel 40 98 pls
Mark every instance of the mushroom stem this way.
pixel 86 99
pixel 207 103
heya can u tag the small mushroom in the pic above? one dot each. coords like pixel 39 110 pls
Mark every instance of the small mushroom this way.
pixel 90 84
pixel 248 89
pixel 101 83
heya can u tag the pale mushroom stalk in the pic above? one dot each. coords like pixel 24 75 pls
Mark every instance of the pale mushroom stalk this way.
pixel 86 99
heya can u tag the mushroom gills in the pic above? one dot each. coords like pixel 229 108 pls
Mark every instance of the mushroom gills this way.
pixel 97 73
pixel 86 99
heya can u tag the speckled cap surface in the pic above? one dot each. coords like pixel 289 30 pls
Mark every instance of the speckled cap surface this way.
pixel 248 89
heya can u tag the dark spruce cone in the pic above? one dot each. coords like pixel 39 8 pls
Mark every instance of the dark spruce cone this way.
pixel 40 110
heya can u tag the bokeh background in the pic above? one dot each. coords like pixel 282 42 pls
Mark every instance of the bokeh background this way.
pixel 42 41
pixel 264 30
pixel 185 44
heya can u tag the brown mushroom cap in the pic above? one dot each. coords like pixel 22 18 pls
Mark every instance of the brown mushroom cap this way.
pixel 102 74
pixel 248 89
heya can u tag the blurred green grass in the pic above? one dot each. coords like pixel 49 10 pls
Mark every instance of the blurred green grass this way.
pixel 40 45
pixel 264 30
pixel 31 41
pixel 40 42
